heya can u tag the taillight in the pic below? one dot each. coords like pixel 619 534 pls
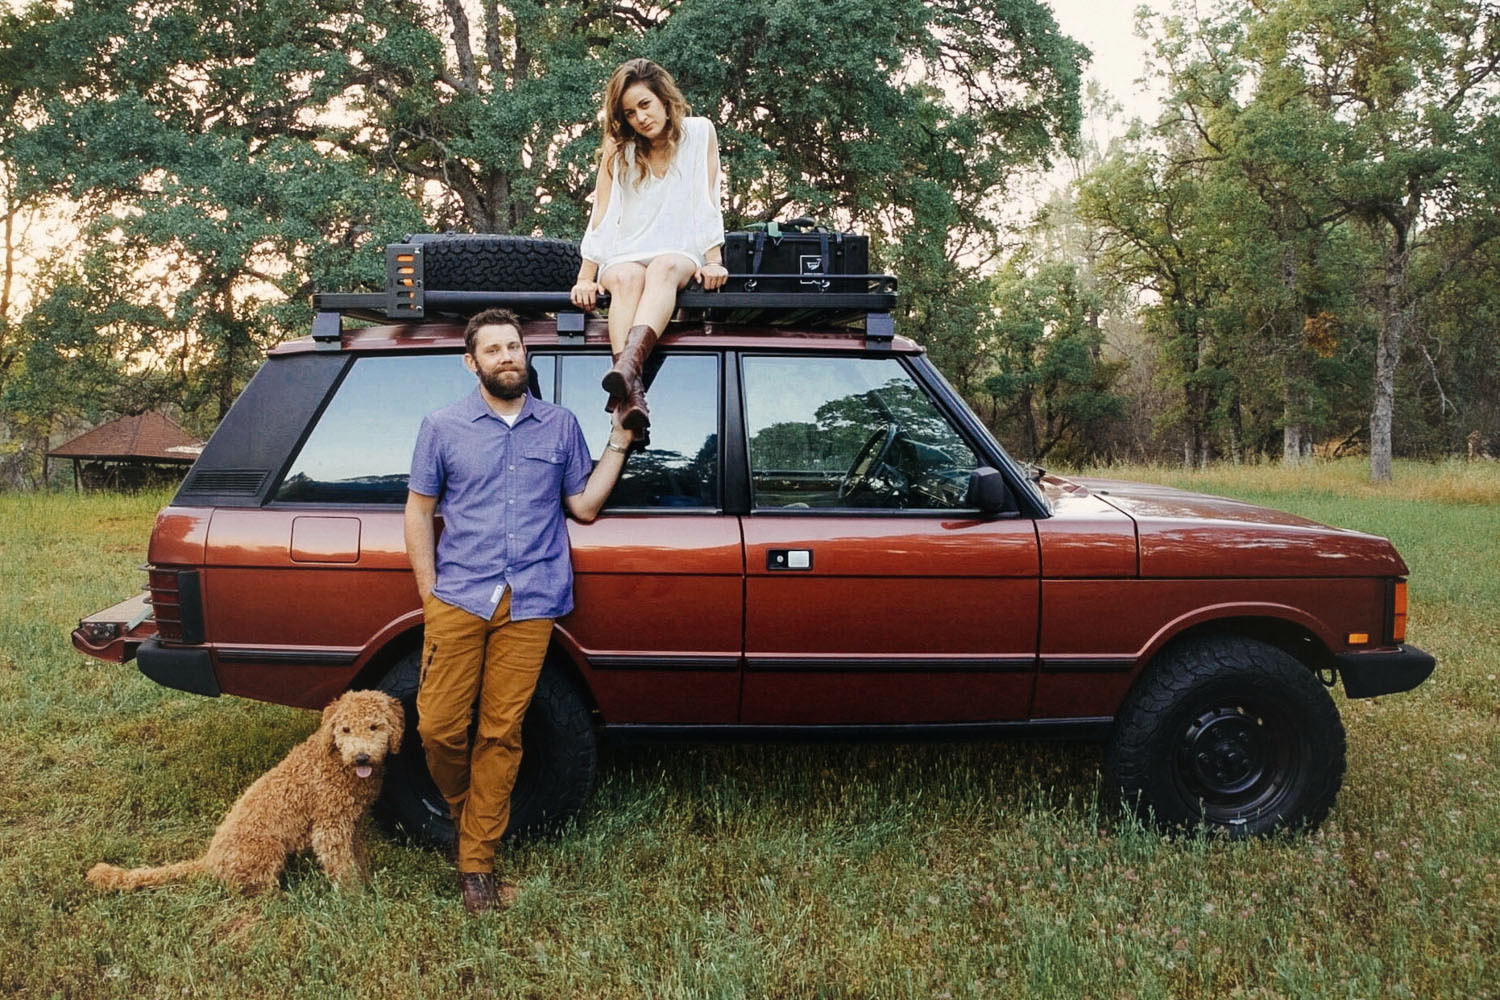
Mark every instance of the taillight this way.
pixel 176 604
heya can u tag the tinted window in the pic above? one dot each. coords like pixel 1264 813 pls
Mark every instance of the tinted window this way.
pixel 681 466
pixel 849 433
pixel 360 450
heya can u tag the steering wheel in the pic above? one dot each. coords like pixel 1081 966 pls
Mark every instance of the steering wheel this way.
pixel 870 457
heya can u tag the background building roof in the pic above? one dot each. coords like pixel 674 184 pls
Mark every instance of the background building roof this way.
pixel 149 436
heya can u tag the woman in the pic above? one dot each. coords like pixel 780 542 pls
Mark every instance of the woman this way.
pixel 656 223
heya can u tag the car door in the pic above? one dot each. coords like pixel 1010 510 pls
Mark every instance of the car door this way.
pixel 874 595
pixel 659 575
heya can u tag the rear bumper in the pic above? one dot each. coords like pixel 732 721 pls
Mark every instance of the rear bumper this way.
pixel 186 669
pixel 1383 671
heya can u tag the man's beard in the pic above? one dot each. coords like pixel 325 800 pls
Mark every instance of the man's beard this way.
pixel 504 384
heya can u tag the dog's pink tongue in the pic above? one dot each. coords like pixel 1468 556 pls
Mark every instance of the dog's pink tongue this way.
pixel 364 770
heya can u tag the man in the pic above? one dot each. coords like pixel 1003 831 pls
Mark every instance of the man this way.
pixel 505 466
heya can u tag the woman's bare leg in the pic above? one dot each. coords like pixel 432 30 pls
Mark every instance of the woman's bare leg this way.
pixel 665 276
pixel 625 283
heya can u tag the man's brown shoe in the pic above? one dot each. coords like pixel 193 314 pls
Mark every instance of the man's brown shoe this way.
pixel 482 893
pixel 478 889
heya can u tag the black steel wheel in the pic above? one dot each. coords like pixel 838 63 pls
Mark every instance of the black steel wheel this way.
pixel 1228 733
pixel 558 761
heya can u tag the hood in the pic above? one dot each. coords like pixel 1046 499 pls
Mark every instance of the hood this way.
pixel 1183 535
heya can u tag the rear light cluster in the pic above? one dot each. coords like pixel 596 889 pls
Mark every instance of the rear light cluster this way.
pixel 176 604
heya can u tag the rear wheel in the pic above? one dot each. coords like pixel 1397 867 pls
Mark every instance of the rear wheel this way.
pixel 1228 733
pixel 558 760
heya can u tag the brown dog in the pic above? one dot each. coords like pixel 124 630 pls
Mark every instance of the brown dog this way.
pixel 314 799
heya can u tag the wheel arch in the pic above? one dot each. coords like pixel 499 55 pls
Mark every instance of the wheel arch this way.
pixel 1298 639
pixel 559 655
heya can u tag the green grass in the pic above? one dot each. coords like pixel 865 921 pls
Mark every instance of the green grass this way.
pixel 982 870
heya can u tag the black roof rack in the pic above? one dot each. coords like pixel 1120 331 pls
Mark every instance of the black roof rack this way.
pixel 860 301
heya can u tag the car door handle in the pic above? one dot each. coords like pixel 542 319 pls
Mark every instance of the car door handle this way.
pixel 789 559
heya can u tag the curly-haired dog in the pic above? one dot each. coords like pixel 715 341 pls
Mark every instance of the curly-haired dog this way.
pixel 314 799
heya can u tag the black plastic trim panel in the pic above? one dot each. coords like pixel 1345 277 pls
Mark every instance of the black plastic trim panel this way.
pixel 266 654
pixel 1105 663
pixel 190 606
pixel 1384 671
pixel 262 431
pixel 666 661
pixel 181 668
pixel 1019 663
pixel 1087 728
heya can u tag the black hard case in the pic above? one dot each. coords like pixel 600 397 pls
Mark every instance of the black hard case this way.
pixel 808 260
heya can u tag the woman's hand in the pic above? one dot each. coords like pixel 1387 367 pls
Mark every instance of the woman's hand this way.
pixel 584 293
pixel 712 276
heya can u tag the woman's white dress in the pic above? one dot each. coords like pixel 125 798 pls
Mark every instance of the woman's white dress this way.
pixel 675 213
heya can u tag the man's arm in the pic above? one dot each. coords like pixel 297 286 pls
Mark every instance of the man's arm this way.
pixel 421 541
pixel 585 506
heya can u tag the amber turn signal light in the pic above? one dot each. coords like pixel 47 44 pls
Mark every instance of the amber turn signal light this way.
pixel 1398 617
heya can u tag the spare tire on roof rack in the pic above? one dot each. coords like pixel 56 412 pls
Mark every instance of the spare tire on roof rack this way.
pixel 464 262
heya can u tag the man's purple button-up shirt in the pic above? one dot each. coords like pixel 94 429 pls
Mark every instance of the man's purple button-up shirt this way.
pixel 500 491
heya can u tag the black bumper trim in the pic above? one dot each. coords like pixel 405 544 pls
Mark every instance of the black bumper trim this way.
pixel 1383 672
pixel 185 669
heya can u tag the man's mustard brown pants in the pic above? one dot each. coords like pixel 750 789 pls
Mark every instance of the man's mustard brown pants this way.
pixel 465 657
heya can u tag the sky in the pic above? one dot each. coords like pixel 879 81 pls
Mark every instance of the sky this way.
pixel 1107 27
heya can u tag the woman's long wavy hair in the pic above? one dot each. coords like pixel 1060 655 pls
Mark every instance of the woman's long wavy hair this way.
pixel 618 132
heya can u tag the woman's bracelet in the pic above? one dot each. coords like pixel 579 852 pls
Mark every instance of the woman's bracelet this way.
pixel 622 449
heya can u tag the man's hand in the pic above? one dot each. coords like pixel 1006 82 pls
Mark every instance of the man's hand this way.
pixel 421 541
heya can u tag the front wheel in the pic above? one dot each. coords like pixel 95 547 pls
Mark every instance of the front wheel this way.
pixel 558 760
pixel 1228 733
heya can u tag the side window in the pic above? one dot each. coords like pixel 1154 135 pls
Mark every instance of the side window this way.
pixel 360 450
pixel 849 433
pixel 680 468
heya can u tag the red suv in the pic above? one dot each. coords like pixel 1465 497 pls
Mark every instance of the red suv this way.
pixel 821 540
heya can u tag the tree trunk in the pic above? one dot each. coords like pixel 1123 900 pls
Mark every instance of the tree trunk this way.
pixel 1291 438
pixel 1387 354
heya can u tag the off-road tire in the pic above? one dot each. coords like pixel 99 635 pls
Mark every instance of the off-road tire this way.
pixel 1228 733
pixel 558 761
pixel 499 264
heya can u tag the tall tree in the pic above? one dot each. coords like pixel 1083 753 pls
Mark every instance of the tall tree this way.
pixel 1403 92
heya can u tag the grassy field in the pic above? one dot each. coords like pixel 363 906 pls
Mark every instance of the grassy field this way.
pixel 988 870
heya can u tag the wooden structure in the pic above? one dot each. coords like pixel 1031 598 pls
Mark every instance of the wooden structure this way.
pixel 128 453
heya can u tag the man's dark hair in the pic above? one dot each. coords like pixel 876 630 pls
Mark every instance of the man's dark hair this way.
pixel 490 317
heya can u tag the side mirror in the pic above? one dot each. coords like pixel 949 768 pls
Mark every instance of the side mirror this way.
pixel 987 491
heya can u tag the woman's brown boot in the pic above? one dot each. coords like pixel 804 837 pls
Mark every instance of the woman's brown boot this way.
pixel 612 402
pixel 624 379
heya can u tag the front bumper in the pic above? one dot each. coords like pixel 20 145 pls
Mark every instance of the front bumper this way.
pixel 1383 671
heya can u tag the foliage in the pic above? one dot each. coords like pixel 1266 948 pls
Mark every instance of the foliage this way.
pixel 1276 209
pixel 225 161
pixel 1053 386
